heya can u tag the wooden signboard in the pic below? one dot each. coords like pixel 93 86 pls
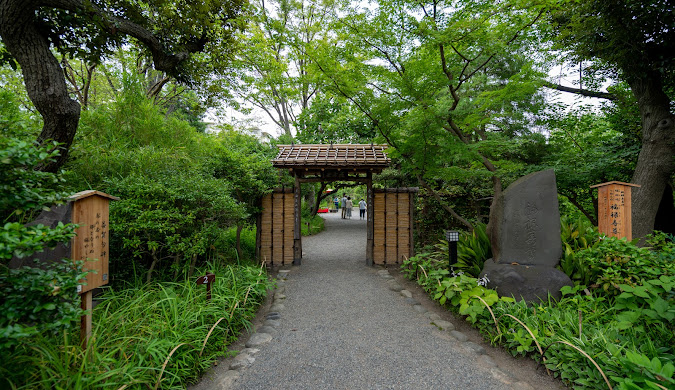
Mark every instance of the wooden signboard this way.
pixel 614 209
pixel 89 209
pixel 90 212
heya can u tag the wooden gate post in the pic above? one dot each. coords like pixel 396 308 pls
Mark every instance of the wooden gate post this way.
pixel 297 241
pixel 370 226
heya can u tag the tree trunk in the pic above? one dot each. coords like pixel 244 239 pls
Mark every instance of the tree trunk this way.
pixel 238 241
pixel 43 76
pixel 319 197
pixel 655 162
pixel 155 260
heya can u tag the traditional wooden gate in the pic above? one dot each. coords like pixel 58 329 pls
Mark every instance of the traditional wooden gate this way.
pixel 393 225
pixel 275 228
pixel 389 215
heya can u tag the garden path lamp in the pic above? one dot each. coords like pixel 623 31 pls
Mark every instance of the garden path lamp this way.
pixel 452 236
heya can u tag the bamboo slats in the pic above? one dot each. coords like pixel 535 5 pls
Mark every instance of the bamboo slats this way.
pixel 393 225
pixel 276 228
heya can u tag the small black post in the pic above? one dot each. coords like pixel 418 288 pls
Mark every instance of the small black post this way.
pixel 452 236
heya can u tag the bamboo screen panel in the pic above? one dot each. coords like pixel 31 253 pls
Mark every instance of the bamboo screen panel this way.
pixel 276 229
pixel 393 226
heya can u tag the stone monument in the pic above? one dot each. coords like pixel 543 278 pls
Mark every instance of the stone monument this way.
pixel 524 231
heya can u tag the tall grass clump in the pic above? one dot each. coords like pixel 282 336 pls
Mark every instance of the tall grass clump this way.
pixel 152 336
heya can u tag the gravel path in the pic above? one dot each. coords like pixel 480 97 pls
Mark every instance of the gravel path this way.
pixel 344 325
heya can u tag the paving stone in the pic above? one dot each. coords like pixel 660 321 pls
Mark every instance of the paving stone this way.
pixel 228 379
pixel 267 329
pixel 279 296
pixel 258 339
pixel 412 301
pixel 386 276
pixel 487 361
pixel 242 360
pixel 478 349
pixel 277 307
pixel 420 309
pixel 459 336
pixel 273 315
pixel 444 325
pixel 280 284
pixel 284 272
pixel 250 351
pixel 406 293
pixel 433 316
pixel 280 290
pixel 272 323
pixel 522 386
pixel 500 375
pixel 394 286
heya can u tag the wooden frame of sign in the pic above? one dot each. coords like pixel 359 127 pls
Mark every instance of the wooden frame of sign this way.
pixel 614 209
pixel 89 210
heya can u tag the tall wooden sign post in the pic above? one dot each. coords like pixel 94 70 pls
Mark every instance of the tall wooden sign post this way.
pixel 89 209
pixel 614 209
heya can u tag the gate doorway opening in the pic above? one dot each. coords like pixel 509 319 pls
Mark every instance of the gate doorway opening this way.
pixel 389 212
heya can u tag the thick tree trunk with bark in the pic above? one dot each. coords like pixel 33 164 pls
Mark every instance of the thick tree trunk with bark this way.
pixel 655 163
pixel 43 76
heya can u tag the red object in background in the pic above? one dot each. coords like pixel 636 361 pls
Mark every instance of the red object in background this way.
pixel 322 210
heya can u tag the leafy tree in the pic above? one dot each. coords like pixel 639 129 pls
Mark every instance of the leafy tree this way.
pixel 440 81
pixel 331 119
pixel 585 149
pixel 171 33
pixel 32 300
pixel 272 72
pixel 633 41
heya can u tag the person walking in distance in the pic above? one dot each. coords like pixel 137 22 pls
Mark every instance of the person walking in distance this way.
pixel 336 201
pixel 344 206
pixel 362 209
pixel 349 207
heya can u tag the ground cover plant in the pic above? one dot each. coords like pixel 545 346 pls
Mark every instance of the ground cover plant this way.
pixel 617 331
pixel 154 335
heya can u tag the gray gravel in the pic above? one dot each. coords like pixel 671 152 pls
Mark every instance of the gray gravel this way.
pixel 342 327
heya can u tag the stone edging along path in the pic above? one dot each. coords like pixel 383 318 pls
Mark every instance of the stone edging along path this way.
pixel 271 327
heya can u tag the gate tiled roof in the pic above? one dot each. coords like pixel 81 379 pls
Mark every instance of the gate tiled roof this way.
pixel 360 156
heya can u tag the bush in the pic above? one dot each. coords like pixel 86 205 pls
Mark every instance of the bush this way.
pixel 32 300
pixel 137 329
pixel 628 329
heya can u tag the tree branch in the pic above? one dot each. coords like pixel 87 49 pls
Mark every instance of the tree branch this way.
pixel 443 204
pixel 579 91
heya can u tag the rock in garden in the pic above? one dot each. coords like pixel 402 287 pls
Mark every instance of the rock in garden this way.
pixel 268 329
pixel 444 325
pixel 272 323
pixel 394 286
pixel 459 336
pixel 478 349
pixel 523 282
pixel 242 360
pixel 273 315
pixel 258 339
pixel 433 316
pixel 525 222
pixel 487 361
pixel 406 293
pixel 228 379
pixel 524 231
pixel 251 351
pixel 277 307
pixel 420 309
